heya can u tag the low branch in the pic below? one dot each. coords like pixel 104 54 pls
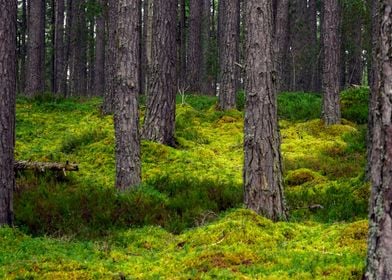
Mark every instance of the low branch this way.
pixel 45 166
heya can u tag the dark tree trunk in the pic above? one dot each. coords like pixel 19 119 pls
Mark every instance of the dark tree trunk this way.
pixel 315 84
pixel 263 182
pixel 182 46
pixel 91 58
pixel 78 58
pixel 331 39
pixel 108 103
pixel 35 48
pixel 23 49
pixel 159 122
pixel 7 107
pixel 379 260
pixel 59 65
pixel 206 80
pixel 126 117
pixel 229 49
pixel 99 73
pixel 355 65
pixel 194 53
pixel 67 47
pixel 282 44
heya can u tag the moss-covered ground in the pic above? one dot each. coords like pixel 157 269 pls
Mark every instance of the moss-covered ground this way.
pixel 187 221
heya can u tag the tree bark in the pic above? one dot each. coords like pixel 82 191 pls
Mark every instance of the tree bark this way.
pixel 159 122
pixel 263 182
pixel 195 47
pixel 182 46
pixel 331 77
pixel 59 66
pixel 99 72
pixel 282 44
pixel 35 49
pixel 379 260
pixel 229 49
pixel 126 117
pixel 108 103
pixel 8 12
pixel 78 58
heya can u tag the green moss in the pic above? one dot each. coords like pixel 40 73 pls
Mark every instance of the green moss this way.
pixel 103 234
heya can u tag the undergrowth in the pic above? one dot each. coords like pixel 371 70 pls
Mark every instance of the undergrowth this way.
pixel 184 191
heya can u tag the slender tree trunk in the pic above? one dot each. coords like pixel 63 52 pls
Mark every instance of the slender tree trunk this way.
pixel 67 48
pixel 8 73
pixel 126 117
pixel 229 49
pixel 59 66
pixel 35 49
pixel 195 46
pixel 78 58
pixel 159 122
pixel 108 103
pixel 331 105
pixel 263 182
pixel 315 85
pixel 99 73
pixel 355 65
pixel 182 51
pixel 379 260
pixel 206 82
pixel 23 48
pixel 282 44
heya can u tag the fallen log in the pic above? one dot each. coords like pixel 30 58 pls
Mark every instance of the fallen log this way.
pixel 45 166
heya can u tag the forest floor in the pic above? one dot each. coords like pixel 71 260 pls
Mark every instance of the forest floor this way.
pixel 187 221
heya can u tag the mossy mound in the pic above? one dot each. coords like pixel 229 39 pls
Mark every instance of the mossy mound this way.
pixel 240 245
pixel 301 176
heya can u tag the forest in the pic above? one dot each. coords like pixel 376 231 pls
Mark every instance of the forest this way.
pixel 196 139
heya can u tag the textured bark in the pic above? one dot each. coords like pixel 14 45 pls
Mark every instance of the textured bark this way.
pixel 229 49
pixel 108 103
pixel 23 49
pixel 263 183
pixel 206 79
pixel 35 49
pixel 99 64
pixel 7 107
pixel 379 260
pixel 159 122
pixel 182 45
pixel 78 49
pixel 126 117
pixel 355 64
pixel 59 65
pixel 315 78
pixel 282 44
pixel 194 74
pixel 331 40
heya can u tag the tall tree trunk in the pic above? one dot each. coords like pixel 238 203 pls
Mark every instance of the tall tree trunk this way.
pixel 331 39
pixel 78 58
pixel 59 66
pixel 314 47
pixel 229 49
pixel 23 49
pixel 282 44
pixel 67 48
pixel 108 103
pixel 263 182
pixel 99 73
pixel 355 65
pixel 194 53
pixel 126 117
pixel 8 73
pixel 159 122
pixel 379 260
pixel 91 57
pixel 182 46
pixel 206 82
pixel 35 48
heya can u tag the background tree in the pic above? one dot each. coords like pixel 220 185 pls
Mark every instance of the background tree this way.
pixel 35 67
pixel 263 182
pixel 159 122
pixel 331 77
pixel 229 53
pixel 379 260
pixel 7 107
pixel 126 118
